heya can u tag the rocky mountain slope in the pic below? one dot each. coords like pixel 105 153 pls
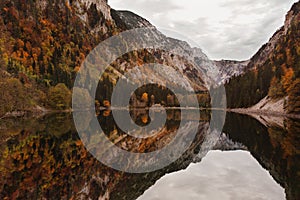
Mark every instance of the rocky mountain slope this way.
pixel 274 71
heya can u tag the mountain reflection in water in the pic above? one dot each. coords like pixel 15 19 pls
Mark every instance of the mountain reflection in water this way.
pixel 45 158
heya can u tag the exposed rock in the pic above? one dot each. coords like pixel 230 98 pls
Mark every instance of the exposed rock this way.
pixel 270 105
pixel 230 68
pixel 132 20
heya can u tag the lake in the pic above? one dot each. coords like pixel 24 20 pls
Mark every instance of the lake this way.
pixel 44 158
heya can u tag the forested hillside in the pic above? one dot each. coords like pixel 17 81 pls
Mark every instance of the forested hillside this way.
pixel 42 45
pixel 275 69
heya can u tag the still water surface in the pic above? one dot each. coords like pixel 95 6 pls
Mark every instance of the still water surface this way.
pixel 44 158
pixel 220 175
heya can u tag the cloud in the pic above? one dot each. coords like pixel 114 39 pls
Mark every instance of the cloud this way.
pixel 253 23
pixel 232 29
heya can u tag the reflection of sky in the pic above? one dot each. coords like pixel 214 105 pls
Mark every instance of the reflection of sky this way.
pixel 220 175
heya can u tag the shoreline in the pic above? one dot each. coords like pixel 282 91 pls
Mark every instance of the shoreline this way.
pixel 34 112
pixel 41 111
pixel 249 111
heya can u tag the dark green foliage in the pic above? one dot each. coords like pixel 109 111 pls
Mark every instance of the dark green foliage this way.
pixel 59 97
pixel 249 89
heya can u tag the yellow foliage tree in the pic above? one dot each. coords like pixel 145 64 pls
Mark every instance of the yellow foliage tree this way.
pixel 145 97
pixel 287 79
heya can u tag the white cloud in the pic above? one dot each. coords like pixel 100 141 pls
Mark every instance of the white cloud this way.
pixel 231 29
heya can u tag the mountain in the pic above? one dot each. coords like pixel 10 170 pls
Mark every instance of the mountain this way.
pixel 273 72
pixel 43 44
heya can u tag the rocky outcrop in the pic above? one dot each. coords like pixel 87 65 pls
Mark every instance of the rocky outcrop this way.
pixel 231 68
pixel 130 19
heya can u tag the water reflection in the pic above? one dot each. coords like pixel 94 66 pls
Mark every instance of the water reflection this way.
pixel 220 175
pixel 276 148
pixel 44 157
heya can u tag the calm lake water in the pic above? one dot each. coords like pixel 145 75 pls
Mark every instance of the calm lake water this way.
pixel 44 158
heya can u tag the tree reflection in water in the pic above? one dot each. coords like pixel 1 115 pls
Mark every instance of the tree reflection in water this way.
pixel 45 158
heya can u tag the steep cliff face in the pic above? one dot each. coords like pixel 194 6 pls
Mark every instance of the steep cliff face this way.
pixel 93 13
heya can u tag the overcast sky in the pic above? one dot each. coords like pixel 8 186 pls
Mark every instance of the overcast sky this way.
pixel 224 29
